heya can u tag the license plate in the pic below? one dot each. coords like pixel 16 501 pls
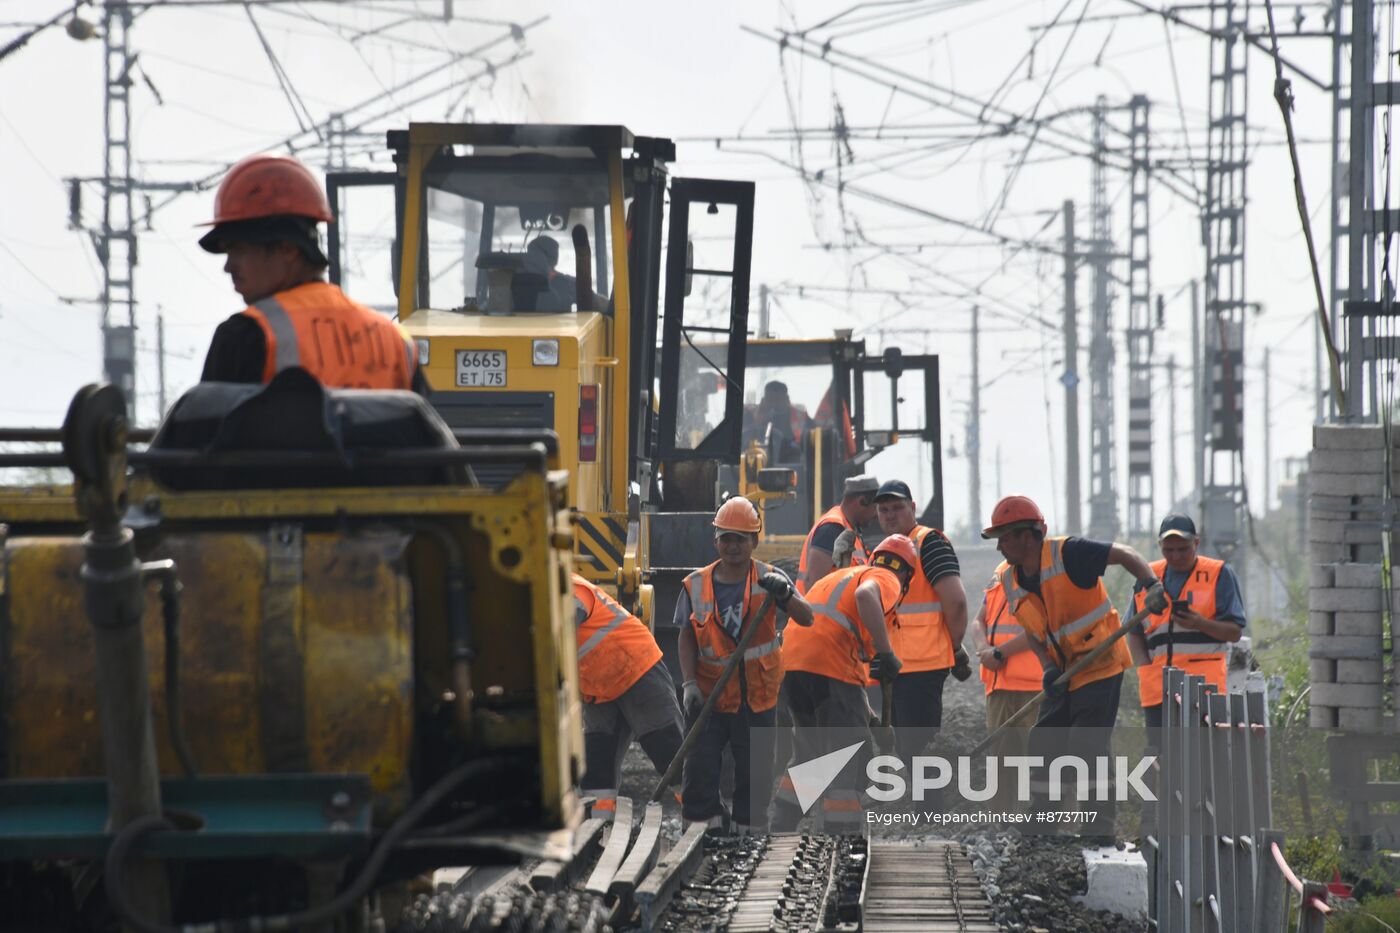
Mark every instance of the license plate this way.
pixel 481 369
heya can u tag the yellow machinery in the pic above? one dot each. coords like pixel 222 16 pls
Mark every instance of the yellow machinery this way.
pixel 361 663
pixel 528 266
pixel 837 411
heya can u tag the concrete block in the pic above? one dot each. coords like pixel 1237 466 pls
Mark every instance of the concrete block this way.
pixel 1363 575
pixel 1321 623
pixel 1327 553
pixel 1348 484
pixel 1322 671
pixel 1347 437
pixel 1362 533
pixel 1323 506
pixel 1353 695
pixel 1347 461
pixel 1322 717
pixel 1355 670
pixel 1344 600
pixel 1327 531
pixel 1368 719
pixel 1357 624
pixel 1366 553
pixel 1337 647
pixel 1117 882
pixel 1322 576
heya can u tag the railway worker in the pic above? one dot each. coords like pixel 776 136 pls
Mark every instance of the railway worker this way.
pixel 857 507
pixel 717 603
pixel 1054 588
pixel 824 685
pixel 1011 677
pixel 929 625
pixel 1196 631
pixel 626 690
pixel 265 217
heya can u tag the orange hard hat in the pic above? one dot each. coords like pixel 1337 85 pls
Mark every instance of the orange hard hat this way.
pixel 738 514
pixel 269 185
pixel 895 552
pixel 1013 512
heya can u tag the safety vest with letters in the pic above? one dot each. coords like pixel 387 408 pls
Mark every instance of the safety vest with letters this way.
pixel 614 648
pixel 344 344
pixel 920 637
pixel 1069 619
pixel 836 644
pixel 1194 652
pixel 833 514
pixel 1021 671
pixel 758 679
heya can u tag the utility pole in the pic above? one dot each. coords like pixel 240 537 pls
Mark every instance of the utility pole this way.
pixel 160 364
pixel 1198 394
pixel 763 331
pixel 116 238
pixel 974 433
pixel 1171 414
pixel 1103 485
pixel 1073 522
pixel 1268 439
pixel 1140 326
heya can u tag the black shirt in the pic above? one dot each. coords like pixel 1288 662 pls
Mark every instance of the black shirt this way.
pixel 824 538
pixel 1085 561
pixel 938 558
pixel 238 353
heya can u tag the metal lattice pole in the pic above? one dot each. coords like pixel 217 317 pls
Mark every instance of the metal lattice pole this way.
pixel 1139 336
pixel 116 239
pixel 1224 230
pixel 1103 486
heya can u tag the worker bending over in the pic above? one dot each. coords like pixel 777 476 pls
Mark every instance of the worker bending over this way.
pixel 265 217
pixel 1195 633
pixel 824 687
pixel 1011 677
pixel 929 626
pixel 1054 587
pixel 857 507
pixel 716 605
pixel 626 690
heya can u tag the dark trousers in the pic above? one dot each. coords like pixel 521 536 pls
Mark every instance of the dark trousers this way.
pixel 918 709
pixel 817 705
pixel 1080 723
pixel 753 779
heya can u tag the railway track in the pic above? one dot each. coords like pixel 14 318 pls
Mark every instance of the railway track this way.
pixel 619 879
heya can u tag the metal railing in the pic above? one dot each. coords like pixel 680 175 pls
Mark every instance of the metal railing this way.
pixel 1210 846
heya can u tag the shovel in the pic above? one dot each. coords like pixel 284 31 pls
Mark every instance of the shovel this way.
pixel 884 729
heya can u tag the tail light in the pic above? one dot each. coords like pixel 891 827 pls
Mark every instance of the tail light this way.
pixel 587 423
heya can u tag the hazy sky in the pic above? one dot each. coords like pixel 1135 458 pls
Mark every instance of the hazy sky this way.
pixel 897 276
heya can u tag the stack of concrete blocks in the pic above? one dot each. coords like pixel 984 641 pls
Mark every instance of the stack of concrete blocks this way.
pixel 1351 671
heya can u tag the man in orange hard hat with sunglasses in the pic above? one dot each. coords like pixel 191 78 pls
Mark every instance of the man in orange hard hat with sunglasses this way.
pixel 828 666
pixel 717 604
pixel 265 217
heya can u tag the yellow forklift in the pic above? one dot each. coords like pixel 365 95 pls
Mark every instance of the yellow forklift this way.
pixel 528 267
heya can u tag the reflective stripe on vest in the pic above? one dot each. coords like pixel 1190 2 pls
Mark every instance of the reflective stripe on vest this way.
pixel 758 681
pixel 832 609
pixel 283 332
pixel 619 616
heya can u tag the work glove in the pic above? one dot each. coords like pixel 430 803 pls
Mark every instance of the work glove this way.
pixel 778 586
pixel 692 698
pixel 1047 683
pixel 1156 599
pixel 885 667
pixel 844 547
pixel 962 667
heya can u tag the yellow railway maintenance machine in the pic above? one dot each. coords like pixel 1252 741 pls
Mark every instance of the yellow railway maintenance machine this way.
pixel 527 266
pixel 310 646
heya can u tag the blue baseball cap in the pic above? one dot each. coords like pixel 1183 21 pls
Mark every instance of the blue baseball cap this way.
pixel 894 489
pixel 1177 525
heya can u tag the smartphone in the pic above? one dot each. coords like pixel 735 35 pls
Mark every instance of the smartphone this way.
pixel 1181 605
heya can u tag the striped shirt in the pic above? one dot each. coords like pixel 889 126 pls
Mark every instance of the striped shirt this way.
pixel 938 558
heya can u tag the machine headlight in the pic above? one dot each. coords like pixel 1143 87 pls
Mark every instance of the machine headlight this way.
pixel 545 352
pixel 423 352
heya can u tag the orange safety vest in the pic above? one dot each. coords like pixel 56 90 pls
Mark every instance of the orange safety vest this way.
pixel 344 344
pixel 833 514
pixel 761 674
pixel 1069 619
pixel 1022 669
pixel 836 644
pixel 1167 644
pixel 920 637
pixel 614 648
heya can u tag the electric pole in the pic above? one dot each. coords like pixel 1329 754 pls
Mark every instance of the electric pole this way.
pixel 1198 394
pixel 1073 524
pixel 1103 485
pixel 1141 493
pixel 763 331
pixel 1171 414
pixel 1268 439
pixel 974 433
pixel 116 238
pixel 160 364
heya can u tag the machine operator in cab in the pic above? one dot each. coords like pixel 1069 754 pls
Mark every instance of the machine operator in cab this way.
pixel 265 217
